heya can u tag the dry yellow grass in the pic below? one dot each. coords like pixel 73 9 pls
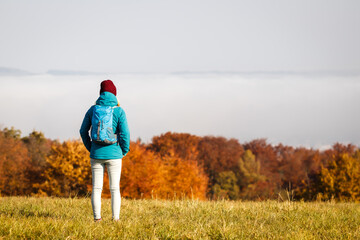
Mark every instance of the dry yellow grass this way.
pixel 55 218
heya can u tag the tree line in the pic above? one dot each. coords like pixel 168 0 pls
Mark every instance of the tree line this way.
pixel 182 165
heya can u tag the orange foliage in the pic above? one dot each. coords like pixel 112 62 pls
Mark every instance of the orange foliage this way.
pixel 182 145
pixel 183 179
pixel 38 149
pixel 218 154
pixel 341 179
pixel 68 170
pixel 14 161
pixel 147 175
pixel 270 166
pixel 181 165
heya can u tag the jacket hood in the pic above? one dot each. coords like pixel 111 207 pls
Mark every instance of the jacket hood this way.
pixel 107 99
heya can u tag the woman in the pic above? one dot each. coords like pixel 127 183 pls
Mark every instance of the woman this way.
pixel 104 151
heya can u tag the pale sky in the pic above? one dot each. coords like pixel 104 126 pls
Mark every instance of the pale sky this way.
pixel 187 35
pixel 311 111
pixel 288 71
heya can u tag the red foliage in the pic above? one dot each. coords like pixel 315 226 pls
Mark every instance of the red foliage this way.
pixel 173 165
pixel 217 154
pixel 14 162
pixel 270 165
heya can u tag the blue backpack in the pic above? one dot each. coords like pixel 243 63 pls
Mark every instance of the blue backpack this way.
pixel 102 125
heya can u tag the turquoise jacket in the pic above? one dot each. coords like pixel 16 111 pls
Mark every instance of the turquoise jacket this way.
pixel 120 127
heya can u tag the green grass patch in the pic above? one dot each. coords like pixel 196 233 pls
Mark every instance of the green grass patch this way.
pixel 56 218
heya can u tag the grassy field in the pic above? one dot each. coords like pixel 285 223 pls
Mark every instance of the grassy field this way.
pixel 54 218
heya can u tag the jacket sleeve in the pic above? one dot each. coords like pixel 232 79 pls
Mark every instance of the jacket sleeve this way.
pixel 124 133
pixel 84 130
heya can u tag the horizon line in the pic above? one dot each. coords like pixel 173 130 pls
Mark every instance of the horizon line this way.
pixel 4 71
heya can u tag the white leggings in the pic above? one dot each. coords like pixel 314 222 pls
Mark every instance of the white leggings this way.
pixel 114 172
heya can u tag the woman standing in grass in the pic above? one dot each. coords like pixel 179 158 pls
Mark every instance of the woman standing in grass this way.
pixel 107 143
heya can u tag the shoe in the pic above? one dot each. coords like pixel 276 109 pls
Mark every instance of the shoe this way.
pixel 98 220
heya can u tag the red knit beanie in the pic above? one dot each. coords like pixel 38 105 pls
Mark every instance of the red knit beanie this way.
pixel 107 86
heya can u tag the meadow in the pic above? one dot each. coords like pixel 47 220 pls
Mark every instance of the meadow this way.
pixel 71 218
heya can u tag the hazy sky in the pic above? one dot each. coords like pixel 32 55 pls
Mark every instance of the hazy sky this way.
pixel 311 111
pixel 187 35
pixel 297 64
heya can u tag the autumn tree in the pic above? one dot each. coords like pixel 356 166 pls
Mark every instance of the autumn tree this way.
pixel 226 186
pixel 11 133
pixel 68 170
pixel 341 178
pixel 307 177
pixel 339 148
pixel 270 165
pixel 38 148
pixel 249 177
pixel 177 165
pixel 142 173
pixel 218 154
pixel 183 178
pixel 146 174
pixel 317 162
pixel 182 145
pixel 14 161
